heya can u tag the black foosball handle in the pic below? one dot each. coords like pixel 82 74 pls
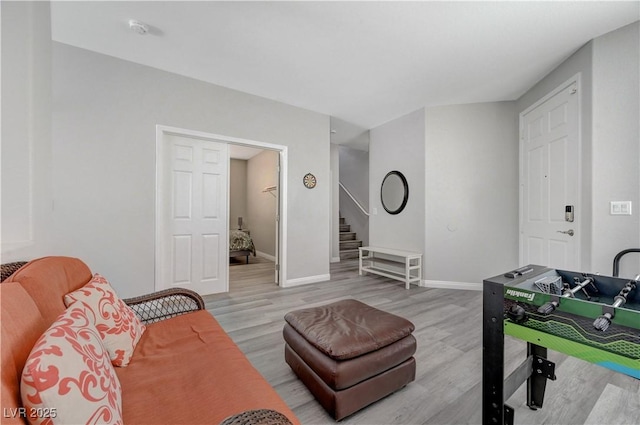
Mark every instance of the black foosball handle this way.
pixel 548 307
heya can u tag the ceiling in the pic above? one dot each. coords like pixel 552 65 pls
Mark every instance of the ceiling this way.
pixel 242 152
pixel 362 63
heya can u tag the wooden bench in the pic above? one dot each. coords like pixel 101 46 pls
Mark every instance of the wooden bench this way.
pixel 405 266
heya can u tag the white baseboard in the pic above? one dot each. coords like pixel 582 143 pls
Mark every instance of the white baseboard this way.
pixel 265 255
pixel 467 286
pixel 335 259
pixel 306 280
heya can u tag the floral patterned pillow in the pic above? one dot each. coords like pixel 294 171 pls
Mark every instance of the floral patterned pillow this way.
pixel 119 327
pixel 68 377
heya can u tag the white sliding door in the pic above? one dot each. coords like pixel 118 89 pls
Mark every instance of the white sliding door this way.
pixel 192 224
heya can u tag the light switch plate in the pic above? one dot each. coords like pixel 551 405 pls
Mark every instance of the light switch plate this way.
pixel 620 207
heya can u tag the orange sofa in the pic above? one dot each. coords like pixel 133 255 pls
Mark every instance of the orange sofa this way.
pixel 185 369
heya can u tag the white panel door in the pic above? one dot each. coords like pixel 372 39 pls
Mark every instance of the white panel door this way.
pixel 550 181
pixel 192 231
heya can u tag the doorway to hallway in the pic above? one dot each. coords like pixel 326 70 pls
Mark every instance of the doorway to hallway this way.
pixel 190 197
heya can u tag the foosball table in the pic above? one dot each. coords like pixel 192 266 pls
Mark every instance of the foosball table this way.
pixel 588 316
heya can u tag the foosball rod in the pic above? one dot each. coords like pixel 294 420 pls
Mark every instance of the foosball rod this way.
pixel 569 293
pixel 602 323
pixel 550 306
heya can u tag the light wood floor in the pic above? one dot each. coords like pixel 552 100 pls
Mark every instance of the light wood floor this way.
pixel 447 389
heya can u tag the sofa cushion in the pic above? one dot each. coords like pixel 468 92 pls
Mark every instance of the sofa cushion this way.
pixel 348 328
pixel 69 377
pixel 187 370
pixel 119 327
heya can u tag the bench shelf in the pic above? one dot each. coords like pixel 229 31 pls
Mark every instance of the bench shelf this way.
pixel 405 266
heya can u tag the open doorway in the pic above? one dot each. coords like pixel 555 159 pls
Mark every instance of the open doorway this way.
pixel 186 192
pixel 254 176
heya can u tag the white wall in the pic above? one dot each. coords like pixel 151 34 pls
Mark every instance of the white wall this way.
pixel 398 145
pixel 26 130
pixel 262 206
pixel 616 147
pixel 104 116
pixel 237 192
pixel 471 191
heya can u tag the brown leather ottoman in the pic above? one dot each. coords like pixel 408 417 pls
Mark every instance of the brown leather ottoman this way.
pixel 349 354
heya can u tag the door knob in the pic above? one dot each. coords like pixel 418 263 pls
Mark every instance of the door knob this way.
pixel 569 232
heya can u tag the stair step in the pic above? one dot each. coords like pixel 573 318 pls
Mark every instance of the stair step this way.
pixel 341 220
pixel 345 227
pixel 347 236
pixel 354 244
pixel 347 254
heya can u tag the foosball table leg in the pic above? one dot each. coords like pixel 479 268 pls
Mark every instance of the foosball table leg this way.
pixel 534 370
pixel 494 411
pixel 541 370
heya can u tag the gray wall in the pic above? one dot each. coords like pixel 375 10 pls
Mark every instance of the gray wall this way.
pixel 616 147
pixel 105 115
pixel 354 175
pixel 262 206
pixel 461 163
pixel 471 177
pixel 237 192
pixel 26 130
pixel 398 145
pixel 91 178
pixel 609 68
pixel 471 210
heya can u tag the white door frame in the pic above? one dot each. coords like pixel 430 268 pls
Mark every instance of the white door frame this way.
pixel 162 130
pixel 577 80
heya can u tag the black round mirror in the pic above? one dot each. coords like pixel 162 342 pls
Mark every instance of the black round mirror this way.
pixel 394 192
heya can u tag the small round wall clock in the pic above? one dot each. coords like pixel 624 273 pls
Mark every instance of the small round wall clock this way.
pixel 309 181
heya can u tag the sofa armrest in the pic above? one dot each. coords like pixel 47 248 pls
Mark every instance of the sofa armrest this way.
pixel 8 269
pixel 165 304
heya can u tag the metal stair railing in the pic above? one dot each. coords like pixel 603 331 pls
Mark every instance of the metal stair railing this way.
pixel 360 207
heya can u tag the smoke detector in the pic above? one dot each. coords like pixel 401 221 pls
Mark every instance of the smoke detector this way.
pixel 138 27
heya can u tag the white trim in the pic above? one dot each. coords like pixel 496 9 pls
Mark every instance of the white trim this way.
pixel 335 259
pixel 265 255
pixel 161 130
pixel 552 93
pixel 7 247
pixel 307 280
pixel 283 198
pixel 158 273
pixel 442 284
